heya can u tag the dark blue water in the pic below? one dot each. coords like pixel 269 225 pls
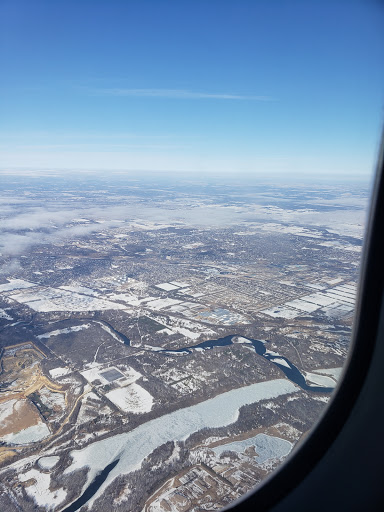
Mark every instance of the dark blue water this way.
pixel 92 488
pixel 292 373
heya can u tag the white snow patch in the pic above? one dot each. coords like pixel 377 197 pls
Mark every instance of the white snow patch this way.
pixel 80 289
pixel 165 331
pixel 166 286
pixel 28 435
pixel 57 299
pixel 186 332
pixel 161 303
pixel 110 332
pixel 58 372
pixel 51 398
pixel 267 447
pixel 319 299
pixel 40 491
pixel 303 305
pixel 67 330
pixel 48 462
pixel 132 398
pixel 281 312
pixel 15 284
pixel 6 409
pixel 281 361
pixel 4 314
pixel 94 374
pixel 334 281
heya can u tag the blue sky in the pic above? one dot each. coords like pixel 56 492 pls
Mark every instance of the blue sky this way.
pixel 208 86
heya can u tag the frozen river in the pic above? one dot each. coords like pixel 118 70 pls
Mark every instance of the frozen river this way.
pixel 129 450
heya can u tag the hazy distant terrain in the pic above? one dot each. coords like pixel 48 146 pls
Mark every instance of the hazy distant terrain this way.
pixel 165 341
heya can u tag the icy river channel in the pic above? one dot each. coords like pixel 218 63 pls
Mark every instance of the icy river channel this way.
pixel 261 348
pixel 124 453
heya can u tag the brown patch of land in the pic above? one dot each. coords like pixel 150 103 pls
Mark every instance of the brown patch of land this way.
pixel 6 454
pixel 24 415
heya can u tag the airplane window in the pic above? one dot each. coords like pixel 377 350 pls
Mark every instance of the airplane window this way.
pixel 184 191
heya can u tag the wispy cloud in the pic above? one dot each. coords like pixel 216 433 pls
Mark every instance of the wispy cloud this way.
pixel 178 94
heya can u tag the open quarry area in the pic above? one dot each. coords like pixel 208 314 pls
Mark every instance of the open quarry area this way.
pixel 165 343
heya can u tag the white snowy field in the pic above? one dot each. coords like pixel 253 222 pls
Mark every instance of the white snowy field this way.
pixel 167 286
pixel 132 447
pixel 16 407
pixel 48 462
pixel 51 399
pixel 335 301
pixel 281 312
pixel 15 284
pixel 303 305
pixel 67 330
pixel 57 299
pixel 158 304
pixel 40 491
pixel 80 289
pixel 95 371
pixel 267 447
pixel 319 298
pixel 6 410
pixel 28 435
pixel 58 372
pixel 131 398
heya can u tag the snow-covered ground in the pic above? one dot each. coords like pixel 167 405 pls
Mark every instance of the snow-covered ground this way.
pixel 48 462
pixel 187 328
pixel 80 289
pixel 167 286
pixel 109 331
pixel 267 447
pixel 15 284
pixel 303 305
pixel 158 304
pixel 95 371
pixel 132 447
pixel 6 410
pixel 28 435
pixel 67 330
pixel 4 314
pixel 319 298
pixel 39 490
pixel 131 398
pixel 221 316
pixel 52 399
pixel 179 285
pixel 56 299
pixel 58 372
pixel 93 374
pixel 281 312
